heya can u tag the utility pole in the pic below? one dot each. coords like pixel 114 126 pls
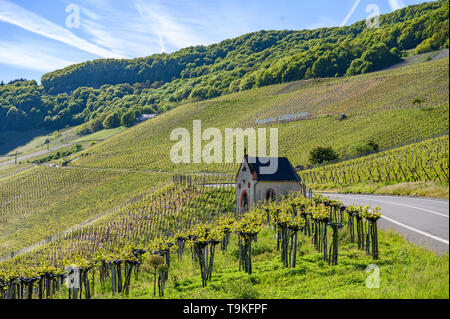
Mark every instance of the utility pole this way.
pixel 15 161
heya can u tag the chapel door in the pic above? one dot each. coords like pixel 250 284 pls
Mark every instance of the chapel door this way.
pixel 270 195
pixel 244 202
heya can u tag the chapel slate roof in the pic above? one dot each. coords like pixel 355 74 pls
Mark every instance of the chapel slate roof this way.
pixel 285 171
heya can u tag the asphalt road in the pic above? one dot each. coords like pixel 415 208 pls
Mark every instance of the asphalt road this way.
pixel 28 156
pixel 422 221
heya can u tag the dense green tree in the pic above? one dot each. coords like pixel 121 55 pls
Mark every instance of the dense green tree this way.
pixel 322 154
pixel 111 121
pixel 128 118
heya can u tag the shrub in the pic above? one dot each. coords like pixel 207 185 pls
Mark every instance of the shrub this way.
pixel 128 118
pixel 111 121
pixel 243 289
pixel 259 249
pixel 322 154
pixel 83 130
pixel 364 148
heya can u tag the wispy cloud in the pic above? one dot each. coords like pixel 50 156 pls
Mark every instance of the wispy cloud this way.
pixel 323 22
pixel 138 28
pixel 30 56
pixel 396 4
pixel 16 15
pixel 133 28
pixel 173 31
pixel 115 26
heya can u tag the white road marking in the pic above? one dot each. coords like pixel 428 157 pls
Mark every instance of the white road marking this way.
pixel 414 207
pixel 442 240
pixel 428 199
pixel 416 230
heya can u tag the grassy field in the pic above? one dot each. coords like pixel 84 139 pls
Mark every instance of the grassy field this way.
pixel 100 135
pixel 30 142
pixel 413 58
pixel 11 141
pixel 406 271
pixel 379 106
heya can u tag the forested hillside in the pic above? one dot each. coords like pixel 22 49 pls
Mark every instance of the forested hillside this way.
pixel 101 93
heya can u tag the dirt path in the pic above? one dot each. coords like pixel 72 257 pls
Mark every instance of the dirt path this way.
pixel 441 55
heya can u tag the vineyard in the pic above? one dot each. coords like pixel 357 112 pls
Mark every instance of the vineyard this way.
pixel 156 214
pixel 423 161
pixel 43 201
pixel 185 222
pixel 123 221
pixel 10 170
pixel 169 209
pixel 379 107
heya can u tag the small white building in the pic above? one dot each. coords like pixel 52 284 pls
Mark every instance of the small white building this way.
pixel 253 187
pixel 145 117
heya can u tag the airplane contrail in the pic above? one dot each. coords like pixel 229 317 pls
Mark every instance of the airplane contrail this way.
pixel 394 4
pixel 355 5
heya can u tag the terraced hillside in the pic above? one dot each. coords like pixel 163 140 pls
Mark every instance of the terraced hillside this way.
pixel 380 107
pixel 167 209
pixel 417 169
pixel 123 185
pixel 423 161
pixel 43 201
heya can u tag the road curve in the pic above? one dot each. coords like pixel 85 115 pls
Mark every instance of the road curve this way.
pixel 35 154
pixel 422 221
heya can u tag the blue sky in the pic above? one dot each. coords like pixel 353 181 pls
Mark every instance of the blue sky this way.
pixel 35 38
